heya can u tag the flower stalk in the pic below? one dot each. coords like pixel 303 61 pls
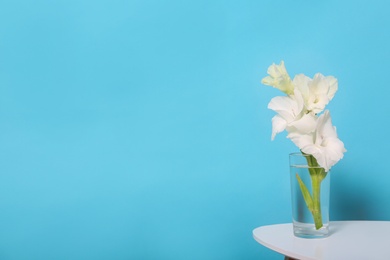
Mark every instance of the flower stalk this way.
pixel 301 112
pixel 313 201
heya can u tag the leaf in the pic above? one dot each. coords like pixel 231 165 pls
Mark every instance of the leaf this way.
pixel 305 193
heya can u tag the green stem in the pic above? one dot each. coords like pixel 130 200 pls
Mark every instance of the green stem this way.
pixel 313 202
pixel 316 210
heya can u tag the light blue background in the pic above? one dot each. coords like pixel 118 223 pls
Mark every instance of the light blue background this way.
pixel 140 129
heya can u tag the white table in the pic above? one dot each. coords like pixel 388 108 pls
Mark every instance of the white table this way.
pixel 347 240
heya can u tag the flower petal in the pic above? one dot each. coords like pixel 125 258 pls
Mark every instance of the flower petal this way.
pixel 306 124
pixel 278 125
pixel 301 140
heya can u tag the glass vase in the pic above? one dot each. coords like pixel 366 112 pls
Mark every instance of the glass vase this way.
pixel 310 188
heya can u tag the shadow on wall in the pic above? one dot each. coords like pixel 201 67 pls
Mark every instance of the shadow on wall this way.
pixel 350 199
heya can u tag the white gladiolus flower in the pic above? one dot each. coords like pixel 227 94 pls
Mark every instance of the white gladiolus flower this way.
pixel 292 115
pixel 314 134
pixel 298 113
pixel 323 143
pixel 316 92
pixel 279 78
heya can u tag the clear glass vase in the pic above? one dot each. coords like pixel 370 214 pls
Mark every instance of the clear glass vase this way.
pixel 310 188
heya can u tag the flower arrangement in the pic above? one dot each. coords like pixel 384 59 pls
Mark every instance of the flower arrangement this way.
pixel 301 113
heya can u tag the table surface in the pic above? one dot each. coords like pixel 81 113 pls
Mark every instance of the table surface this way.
pixel 347 240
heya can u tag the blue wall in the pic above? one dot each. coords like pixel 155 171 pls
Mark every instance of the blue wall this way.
pixel 140 129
